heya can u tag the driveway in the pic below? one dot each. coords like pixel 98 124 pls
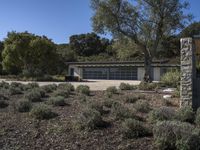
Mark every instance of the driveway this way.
pixel 95 85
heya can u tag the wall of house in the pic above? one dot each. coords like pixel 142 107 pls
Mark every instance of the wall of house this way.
pixel 77 70
pixel 140 73
pixel 156 74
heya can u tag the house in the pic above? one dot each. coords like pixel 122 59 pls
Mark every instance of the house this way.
pixel 126 70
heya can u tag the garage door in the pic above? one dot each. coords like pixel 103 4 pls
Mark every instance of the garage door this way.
pixel 123 73
pixel 115 73
pixel 95 73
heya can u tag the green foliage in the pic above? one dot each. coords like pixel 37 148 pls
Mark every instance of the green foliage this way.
pixel 185 114
pixel 66 86
pixel 88 44
pixel 121 112
pixel 131 98
pixel 191 30
pixel 64 93
pixel 161 114
pixel 90 119
pixel 175 135
pixel 147 86
pixel 29 54
pixel 4 85
pixel 31 86
pixel 98 106
pixel 3 104
pixel 142 106
pixel 42 112
pixel 126 86
pixel 83 89
pixel 197 119
pixel 49 88
pixel 57 101
pixel 132 128
pixel 171 79
pixel 34 95
pixel 24 106
pixel 111 90
pixel 108 103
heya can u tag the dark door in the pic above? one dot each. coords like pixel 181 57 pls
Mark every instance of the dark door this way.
pixel 71 71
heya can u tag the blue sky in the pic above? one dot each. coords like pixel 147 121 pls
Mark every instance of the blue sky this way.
pixel 57 19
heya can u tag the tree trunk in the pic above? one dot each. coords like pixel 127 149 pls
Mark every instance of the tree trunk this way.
pixel 147 66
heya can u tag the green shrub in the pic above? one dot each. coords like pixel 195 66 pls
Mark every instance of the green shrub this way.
pixel 42 112
pixel 131 99
pixel 126 86
pixel 112 89
pixel 171 79
pixel 121 112
pixel 64 93
pixel 197 119
pixel 15 90
pixel 3 104
pixel 175 135
pixel 4 85
pixel 57 101
pixel 66 86
pixel 83 89
pixel 185 114
pixel 161 114
pixel 108 103
pixel 90 119
pixel 30 86
pixel 147 86
pixel 132 128
pixel 34 95
pixel 4 94
pixel 98 106
pixel 24 106
pixel 49 88
pixel 142 106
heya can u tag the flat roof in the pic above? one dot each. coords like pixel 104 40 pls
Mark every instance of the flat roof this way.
pixel 163 63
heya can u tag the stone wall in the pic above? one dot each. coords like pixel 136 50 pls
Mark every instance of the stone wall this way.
pixel 187 71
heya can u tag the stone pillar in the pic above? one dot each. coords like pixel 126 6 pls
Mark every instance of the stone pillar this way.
pixel 187 63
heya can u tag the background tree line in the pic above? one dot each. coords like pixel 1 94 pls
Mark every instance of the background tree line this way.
pixel 30 55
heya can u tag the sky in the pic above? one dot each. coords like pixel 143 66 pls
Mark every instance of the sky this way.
pixel 56 19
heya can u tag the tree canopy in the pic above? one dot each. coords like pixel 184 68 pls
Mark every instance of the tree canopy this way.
pixel 29 54
pixel 145 22
pixel 88 44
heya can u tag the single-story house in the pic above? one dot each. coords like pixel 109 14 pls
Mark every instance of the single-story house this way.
pixel 126 70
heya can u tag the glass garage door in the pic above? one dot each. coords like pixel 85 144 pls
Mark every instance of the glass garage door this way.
pixel 95 73
pixel 123 73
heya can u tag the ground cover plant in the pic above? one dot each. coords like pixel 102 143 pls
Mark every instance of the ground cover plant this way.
pixel 127 120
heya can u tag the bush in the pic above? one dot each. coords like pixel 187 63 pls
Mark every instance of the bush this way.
pixel 147 86
pixel 66 86
pixel 112 90
pixel 63 93
pixel 197 119
pixel 174 135
pixel 83 89
pixel 98 106
pixel 24 106
pixel 4 94
pixel 90 119
pixel 15 90
pixel 142 106
pixel 31 86
pixel 3 104
pixel 4 85
pixel 49 88
pixel 132 128
pixel 34 95
pixel 57 101
pixel 131 99
pixel 126 86
pixel 121 112
pixel 161 114
pixel 42 112
pixel 185 114
pixel 108 103
pixel 171 79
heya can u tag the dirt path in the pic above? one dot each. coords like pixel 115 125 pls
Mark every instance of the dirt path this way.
pixel 95 85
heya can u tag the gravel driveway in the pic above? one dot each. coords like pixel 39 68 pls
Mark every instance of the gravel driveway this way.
pixel 94 85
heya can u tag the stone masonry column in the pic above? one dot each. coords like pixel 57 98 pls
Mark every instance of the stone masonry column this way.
pixel 187 62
